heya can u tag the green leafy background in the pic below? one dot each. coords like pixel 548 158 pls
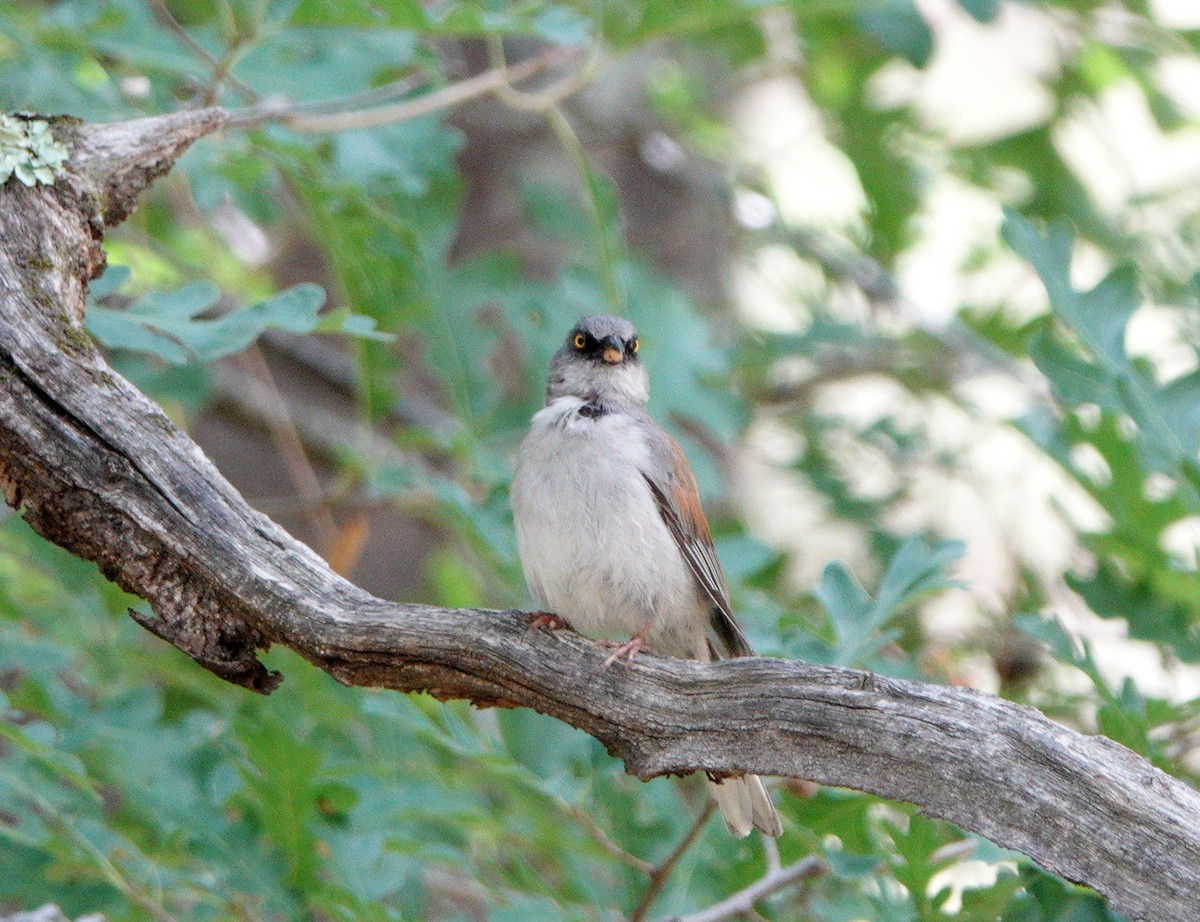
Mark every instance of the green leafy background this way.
pixel 844 418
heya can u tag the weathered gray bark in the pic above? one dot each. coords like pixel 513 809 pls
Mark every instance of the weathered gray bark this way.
pixel 96 467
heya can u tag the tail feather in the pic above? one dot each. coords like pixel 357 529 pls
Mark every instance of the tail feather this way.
pixel 745 805
pixel 763 811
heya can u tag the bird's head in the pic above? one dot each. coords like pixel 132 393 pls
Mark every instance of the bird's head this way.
pixel 599 362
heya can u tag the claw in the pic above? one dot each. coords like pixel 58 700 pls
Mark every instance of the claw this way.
pixel 626 649
pixel 547 619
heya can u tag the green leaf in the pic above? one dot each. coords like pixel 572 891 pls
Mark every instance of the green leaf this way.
pixel 343 320
pixel 406 14
pixel 1167 421
pixel 858 621
pixel 1098 316
pixel 1151 613
pixel 281 787
pixel 150 323
pixel 900 28
pixel 113 279
pixel 36 740
pixel 293 310
pixel 167 325
pixel 846 603
pixel 408 158
pixel 323 62
pixel 1135 578
pixel 1048 899
pixel 1143 724
pixel 1179 402
pixel 984 11
pixel 1075 380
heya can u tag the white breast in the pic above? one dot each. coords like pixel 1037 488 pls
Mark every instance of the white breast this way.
pixel 592 543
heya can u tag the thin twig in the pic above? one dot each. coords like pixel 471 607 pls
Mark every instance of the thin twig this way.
pixel 323 432
pixel 298 119
pixel 222 74
pixel 743 901
pixel 218 68
pixel 547 104
pixel 337 370
pixel 387 92
pixel 843 261
pixel 606 257
pixel 771 851
pixel 883 292
pixel 291 450
pixel 543 100
pixel 106 866
pixel 602 838
pixel 659 875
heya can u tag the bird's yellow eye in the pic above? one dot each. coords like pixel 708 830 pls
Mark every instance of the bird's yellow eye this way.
pixel 580 340
pixel 635 344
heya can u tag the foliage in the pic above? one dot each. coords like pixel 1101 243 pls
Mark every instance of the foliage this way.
pixel 858 621
pixel 166 324
pixel 134 784
pixel 1082 353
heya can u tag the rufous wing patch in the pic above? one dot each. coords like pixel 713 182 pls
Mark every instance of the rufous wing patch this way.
pixel 678 501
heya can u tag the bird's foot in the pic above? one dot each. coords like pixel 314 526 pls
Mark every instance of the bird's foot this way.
pixel 627 649
pixel 545 619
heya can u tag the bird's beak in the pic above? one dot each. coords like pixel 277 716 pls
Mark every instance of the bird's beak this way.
pixel 613 354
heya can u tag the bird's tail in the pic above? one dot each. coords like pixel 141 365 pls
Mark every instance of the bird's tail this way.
pixel 745 804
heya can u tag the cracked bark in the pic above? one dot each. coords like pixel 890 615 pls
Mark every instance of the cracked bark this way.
pixel 96 467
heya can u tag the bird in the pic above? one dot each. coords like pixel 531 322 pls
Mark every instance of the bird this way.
pixel 611 536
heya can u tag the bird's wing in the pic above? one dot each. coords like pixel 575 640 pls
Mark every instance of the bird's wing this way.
pixel 674 489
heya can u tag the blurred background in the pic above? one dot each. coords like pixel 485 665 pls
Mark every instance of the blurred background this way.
pixel 916 284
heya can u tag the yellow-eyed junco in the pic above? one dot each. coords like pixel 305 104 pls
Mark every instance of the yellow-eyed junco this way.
pixel 610 530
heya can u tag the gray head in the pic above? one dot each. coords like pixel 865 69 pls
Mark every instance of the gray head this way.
pixel 599 363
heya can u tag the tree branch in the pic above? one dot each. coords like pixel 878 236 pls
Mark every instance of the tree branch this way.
pixel 96 467
pixel 218 69
pixel 771 882
pixel 658 875
pixel 329 115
